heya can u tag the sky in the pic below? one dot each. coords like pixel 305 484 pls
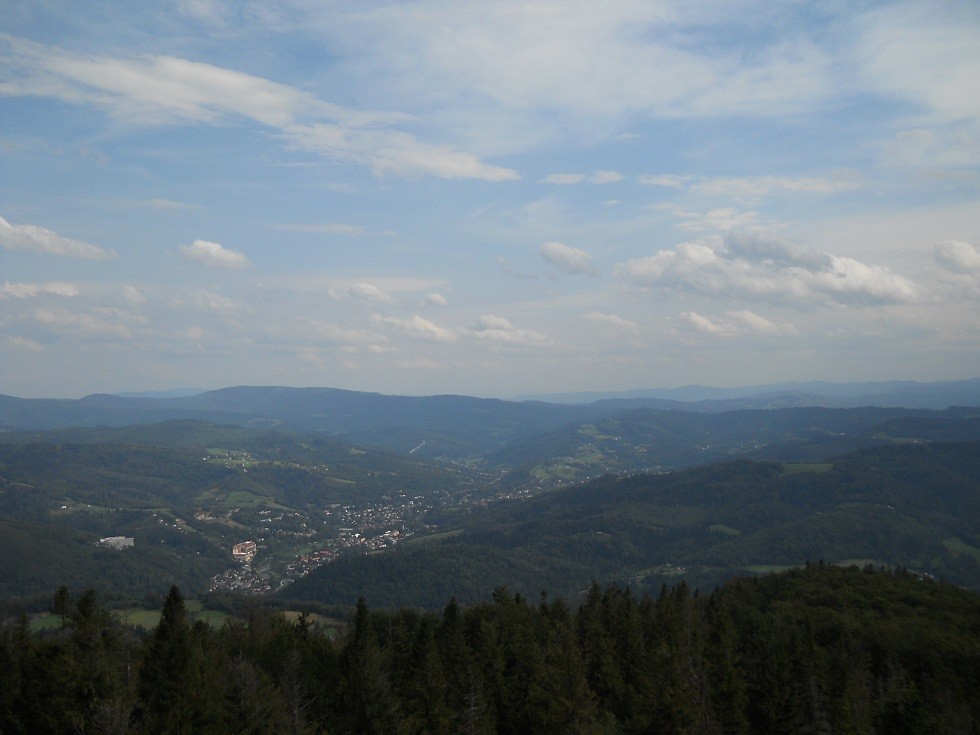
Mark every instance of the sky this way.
pixel 492 199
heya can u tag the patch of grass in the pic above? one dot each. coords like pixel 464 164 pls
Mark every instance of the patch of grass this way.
pixel 244 498
pixel 330 625
pixel 149 619
pixel 47 621
pixel 956 545
pixel 138 617
pixel 722 528
pixel 563 472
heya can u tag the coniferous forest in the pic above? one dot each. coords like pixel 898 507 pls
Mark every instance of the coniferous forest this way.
pixel 820 649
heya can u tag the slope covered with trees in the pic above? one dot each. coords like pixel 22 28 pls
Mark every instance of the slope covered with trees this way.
pixel 816 650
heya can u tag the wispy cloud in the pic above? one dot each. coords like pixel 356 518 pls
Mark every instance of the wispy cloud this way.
pixel 911 52
pixel 169 90
pixel 612 320
pixel 417 327
pixel 434 299
pixel 498 329
pixel 599 177
pixel 568 259
pixel 30 290
pixel 564 179
pixel 670 181
pixel 723 219
pixel 735 324
pixel 42 240
pixel 754 187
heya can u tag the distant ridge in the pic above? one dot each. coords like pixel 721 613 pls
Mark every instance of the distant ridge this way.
pixel 453 425
pixel 892 393
pixel 172 393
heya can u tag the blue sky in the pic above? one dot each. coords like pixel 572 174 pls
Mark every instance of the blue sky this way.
pixel 494 198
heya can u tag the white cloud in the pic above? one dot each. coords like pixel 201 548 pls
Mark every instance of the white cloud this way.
pixel 132 294
pixel 417 327
pixel 209 301
pixel 564 179
pixel 392 152
pixel 766 269
pixel 22 343
pixel 31 290
pixel 168 90
pixel 98 324
pixel 605 177
pixel 958 257
pixel 736 324
pixel 214 255
pixel 612 320
pixel 498 329
pixel 671 181
pixel 490 321
pixel 369 292
pixel 723 219
pixel 42 240
pixel 568 259
pixel 434 299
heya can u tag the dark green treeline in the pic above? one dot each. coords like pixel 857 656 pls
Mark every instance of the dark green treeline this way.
pixel 815 650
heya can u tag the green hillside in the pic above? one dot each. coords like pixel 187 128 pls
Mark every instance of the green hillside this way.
pixel 187 501
pixel 911 506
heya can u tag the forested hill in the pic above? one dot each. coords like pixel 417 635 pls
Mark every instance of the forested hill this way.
pixel 814 650
pixel 464 427
pixel 908 505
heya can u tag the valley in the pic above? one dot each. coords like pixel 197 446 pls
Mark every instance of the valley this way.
pixel 531 495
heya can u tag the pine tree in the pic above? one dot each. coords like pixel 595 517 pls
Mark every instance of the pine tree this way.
pixel 366 700
pixel 170 678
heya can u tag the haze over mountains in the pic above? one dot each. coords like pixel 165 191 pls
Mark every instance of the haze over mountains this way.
pixel 339 411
